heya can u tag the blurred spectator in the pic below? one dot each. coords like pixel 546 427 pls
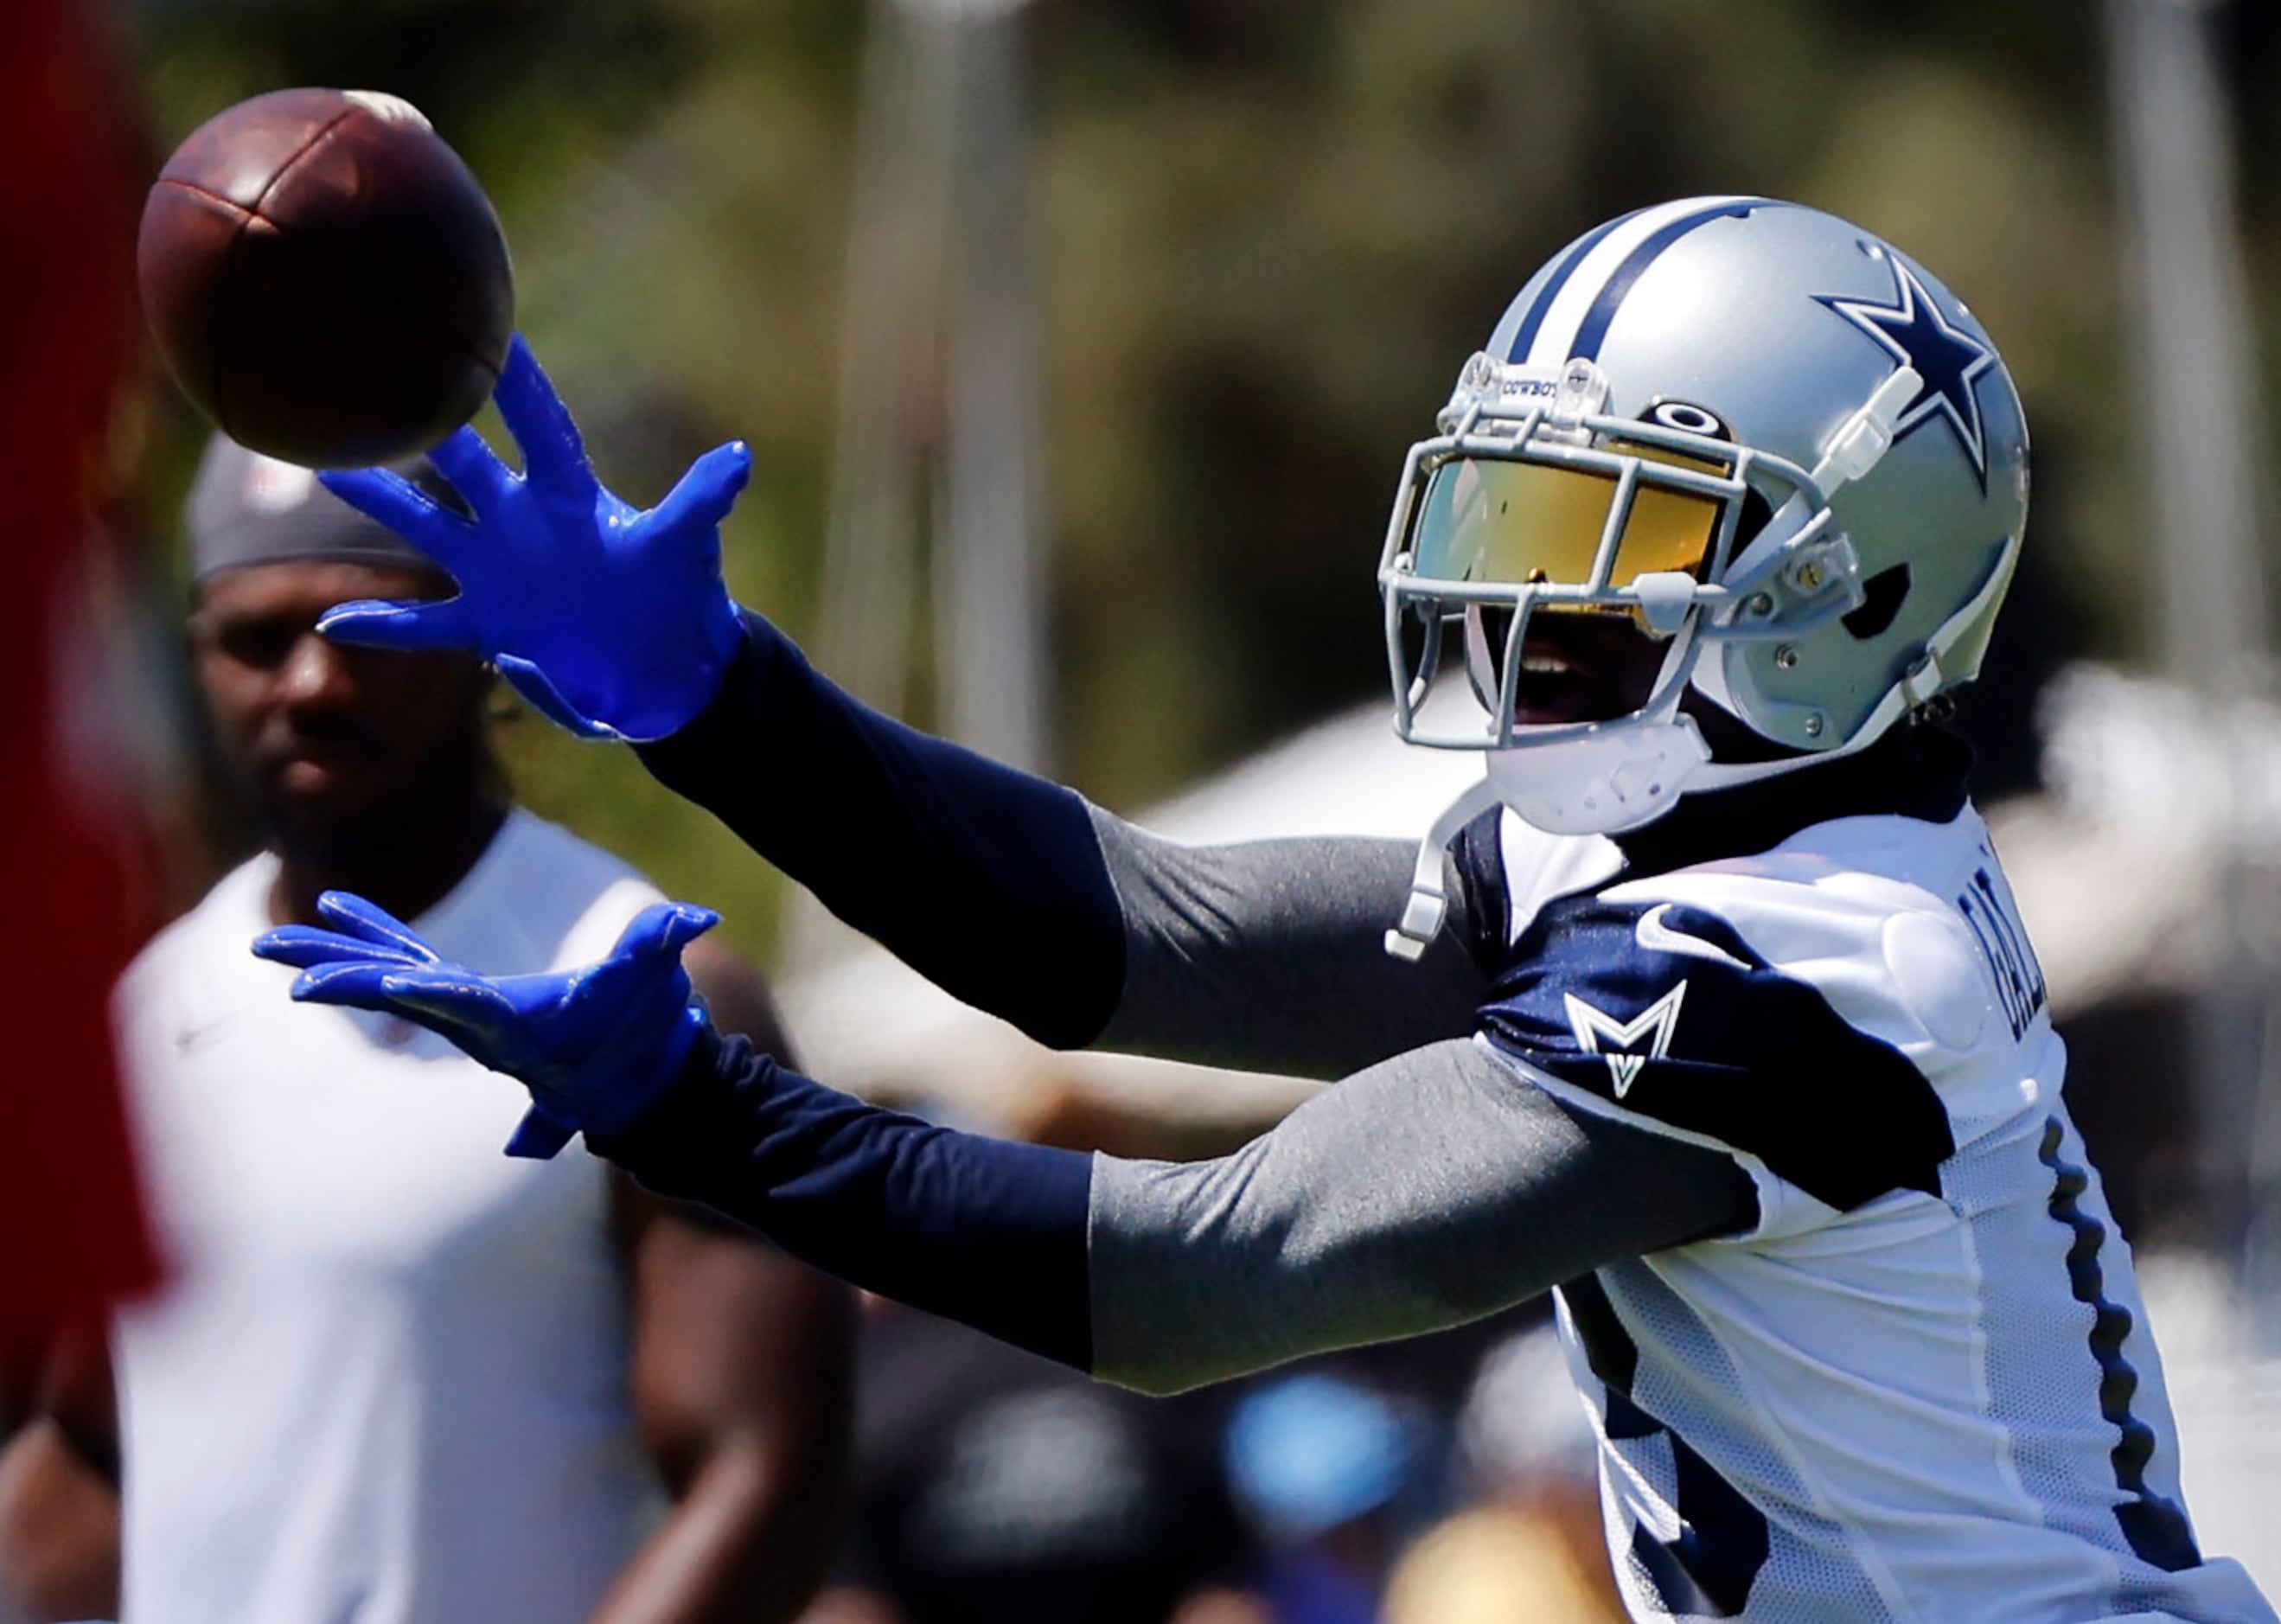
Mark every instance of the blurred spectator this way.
pixel 994 1485
pixel 1530 1548
pixel 1523 1431
pixel 399 1377
pixel 1500 1565
pixel 1325 1468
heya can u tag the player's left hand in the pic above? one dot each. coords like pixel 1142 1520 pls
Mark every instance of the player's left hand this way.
pixel 596 1046
pixel 613 621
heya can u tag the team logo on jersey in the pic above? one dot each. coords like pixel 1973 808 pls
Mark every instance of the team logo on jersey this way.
pixel 1652 1027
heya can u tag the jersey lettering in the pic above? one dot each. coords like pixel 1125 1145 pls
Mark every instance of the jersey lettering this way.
pixel 2004 944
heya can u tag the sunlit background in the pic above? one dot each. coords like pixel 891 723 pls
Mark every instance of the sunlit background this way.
pixel 1079 342
pixel 1260 239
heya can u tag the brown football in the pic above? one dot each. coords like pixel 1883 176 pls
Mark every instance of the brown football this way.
pixel 325 278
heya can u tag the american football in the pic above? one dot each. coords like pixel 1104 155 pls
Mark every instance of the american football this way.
pixel 325 278
pixel 1142 812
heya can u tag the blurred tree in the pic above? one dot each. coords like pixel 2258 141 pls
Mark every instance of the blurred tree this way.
pixel 1268 236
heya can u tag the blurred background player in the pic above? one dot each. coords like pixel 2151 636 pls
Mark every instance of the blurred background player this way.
pixel 399 1377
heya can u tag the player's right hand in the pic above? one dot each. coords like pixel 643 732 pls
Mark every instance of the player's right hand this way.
pixel 613 621
pixel 596 1046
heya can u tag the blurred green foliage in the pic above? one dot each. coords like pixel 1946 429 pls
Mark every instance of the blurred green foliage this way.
pixel 1268 232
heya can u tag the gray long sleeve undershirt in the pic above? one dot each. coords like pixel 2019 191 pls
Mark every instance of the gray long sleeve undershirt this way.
pixel 1269 956
pixel 1426 1191
pixel 1435 1184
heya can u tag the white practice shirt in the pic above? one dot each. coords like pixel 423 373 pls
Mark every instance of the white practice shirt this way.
pixel 389 1380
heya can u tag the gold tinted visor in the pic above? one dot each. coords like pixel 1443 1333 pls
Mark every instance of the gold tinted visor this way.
pixel 1489 520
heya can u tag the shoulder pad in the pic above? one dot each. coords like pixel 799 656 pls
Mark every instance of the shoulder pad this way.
pixel 1662 1008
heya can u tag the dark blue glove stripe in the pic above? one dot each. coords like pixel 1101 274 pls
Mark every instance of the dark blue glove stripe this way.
pixel 988 882
pixel 974 1229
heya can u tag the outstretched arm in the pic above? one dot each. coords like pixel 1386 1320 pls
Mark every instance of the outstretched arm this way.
pixel 987 881
pixel 1269 956
pixel 1006 890
pixel 1427 1190
pixel 1020 898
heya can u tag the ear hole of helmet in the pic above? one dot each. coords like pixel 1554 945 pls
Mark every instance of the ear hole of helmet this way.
pixel 1881 596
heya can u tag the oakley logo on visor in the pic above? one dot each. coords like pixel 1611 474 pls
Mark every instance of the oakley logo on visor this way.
pixel 1689 418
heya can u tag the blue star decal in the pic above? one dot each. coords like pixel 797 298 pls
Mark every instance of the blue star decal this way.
pixel 1914 332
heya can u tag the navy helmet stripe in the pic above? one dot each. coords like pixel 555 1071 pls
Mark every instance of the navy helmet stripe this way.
pixel 1603 312
pixel 1523 340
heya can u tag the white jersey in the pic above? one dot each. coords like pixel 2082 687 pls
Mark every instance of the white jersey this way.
pixel 388 1383
pixel 1921 1387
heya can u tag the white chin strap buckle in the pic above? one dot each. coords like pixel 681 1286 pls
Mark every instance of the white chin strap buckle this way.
pixel 1862 440
pixel 1421 923
pixel 1428 905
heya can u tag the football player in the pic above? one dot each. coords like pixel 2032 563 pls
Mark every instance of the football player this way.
pixel 1710 1008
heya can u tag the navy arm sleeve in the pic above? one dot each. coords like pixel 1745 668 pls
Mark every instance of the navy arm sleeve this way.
pixel 974 1229
pixel 1014 895
pixel 1427 1190
pixel 987 881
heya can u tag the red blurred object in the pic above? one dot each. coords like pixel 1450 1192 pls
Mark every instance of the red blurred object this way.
pixel 72 1231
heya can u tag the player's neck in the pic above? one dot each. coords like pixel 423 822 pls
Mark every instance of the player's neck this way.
pixel 407 868
pixel 1917 772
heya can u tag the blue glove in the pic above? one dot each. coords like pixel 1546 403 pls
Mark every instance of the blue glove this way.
pixel 612 622
pixel 596 1046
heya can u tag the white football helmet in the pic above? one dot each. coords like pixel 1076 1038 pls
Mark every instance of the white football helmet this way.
pixel 1777 443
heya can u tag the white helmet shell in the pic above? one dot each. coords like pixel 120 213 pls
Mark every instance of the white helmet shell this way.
pixel 1771 327
pixel 1850 420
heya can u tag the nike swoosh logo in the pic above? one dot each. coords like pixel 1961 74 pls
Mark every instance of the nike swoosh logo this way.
pixel 1657 937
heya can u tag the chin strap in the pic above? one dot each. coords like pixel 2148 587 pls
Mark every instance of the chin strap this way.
pixel 1429 904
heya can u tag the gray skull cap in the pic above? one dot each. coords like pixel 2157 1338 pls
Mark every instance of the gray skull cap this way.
pixel 246 508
